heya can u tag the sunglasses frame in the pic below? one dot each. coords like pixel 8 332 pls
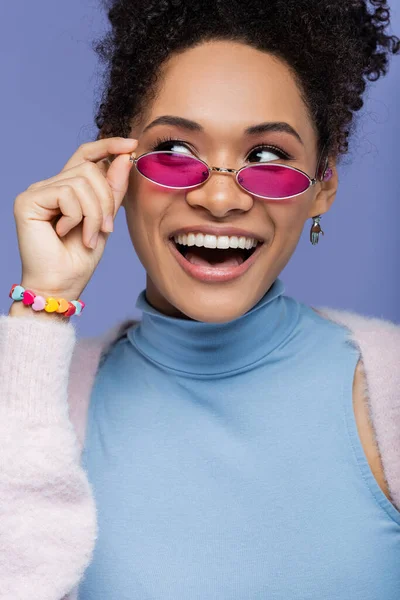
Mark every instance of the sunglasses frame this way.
pixel 236 172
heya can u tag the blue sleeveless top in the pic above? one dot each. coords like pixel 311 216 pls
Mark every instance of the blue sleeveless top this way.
pixel 226 464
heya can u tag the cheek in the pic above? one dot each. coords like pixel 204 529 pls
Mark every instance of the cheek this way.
pixel 142 200
pixel 289 216
pixel 146 208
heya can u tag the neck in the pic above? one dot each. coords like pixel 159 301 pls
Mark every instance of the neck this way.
pixel 210 349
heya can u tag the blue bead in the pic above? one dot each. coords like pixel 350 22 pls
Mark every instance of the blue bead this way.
pixel 78 307
pixel 18 293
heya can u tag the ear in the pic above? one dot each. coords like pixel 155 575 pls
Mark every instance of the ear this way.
pixel 325 194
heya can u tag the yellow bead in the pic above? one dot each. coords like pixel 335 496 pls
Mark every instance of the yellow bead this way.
pixel 51 305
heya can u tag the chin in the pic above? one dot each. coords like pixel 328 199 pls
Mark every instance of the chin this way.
pixel 182 296
pixel 217 307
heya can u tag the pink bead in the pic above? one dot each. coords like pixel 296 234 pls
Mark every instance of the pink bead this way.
pixel 28 298
pixel 39 303
pixel 83 304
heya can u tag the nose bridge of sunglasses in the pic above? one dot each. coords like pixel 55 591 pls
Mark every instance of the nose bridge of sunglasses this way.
pixel 223 170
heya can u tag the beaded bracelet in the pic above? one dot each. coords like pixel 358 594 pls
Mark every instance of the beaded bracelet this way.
pixel 50 304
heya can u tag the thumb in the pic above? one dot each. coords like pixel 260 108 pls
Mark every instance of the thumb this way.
pixel 118 177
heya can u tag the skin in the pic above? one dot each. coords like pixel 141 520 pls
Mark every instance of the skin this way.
pixel 226 87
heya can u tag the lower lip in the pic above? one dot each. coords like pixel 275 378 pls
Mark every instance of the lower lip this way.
pixel 212 274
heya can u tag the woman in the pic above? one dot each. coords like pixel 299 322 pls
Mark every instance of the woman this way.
pixel 229 453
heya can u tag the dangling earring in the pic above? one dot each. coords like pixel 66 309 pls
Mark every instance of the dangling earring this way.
pixel 316 227
pixel 316 230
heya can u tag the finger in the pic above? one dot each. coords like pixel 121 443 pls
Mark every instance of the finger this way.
pixel 99 183
pixel 70 208
pixel 90 211
pixel 100 149
pixel 46 204
pixel 118 178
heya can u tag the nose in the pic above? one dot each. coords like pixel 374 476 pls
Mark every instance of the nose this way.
pixel 220 194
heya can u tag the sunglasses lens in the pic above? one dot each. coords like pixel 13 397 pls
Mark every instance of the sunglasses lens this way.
pixel 177 170
pixel 273 181
pixel 172 169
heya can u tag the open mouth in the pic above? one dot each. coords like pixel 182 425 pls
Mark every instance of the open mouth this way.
pixel 214 256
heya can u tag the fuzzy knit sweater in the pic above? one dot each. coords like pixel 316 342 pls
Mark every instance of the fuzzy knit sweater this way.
pixel 48 524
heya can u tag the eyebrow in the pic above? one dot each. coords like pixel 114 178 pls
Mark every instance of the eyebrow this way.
pixel 190 125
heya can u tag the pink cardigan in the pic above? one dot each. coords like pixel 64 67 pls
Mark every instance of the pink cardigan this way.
pixel 48 521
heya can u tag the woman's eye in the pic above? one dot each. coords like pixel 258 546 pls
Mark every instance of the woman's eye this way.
pixel 266 154
pixel 173 146
pixel 261 153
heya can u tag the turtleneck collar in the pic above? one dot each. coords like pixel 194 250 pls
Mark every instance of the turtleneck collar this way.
pixel 206 349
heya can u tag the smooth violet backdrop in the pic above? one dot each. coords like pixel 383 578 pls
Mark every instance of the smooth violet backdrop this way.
pixel 50 81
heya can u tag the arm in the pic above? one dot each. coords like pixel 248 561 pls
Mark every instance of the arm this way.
pixel 47 512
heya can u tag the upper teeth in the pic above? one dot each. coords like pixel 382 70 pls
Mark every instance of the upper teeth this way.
pixel 213 241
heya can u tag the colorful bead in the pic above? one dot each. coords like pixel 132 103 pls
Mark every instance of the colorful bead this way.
pixel 71 310
pixel 51 305
pixel 29 298
pixel 78 307
pixel 12 289
pixel 18 293
pixel 63 305
pixel 39 303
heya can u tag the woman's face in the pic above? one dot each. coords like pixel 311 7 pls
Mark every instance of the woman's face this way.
pixel 225 87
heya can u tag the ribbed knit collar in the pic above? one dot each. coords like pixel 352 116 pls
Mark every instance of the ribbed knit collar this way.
pixel 209 349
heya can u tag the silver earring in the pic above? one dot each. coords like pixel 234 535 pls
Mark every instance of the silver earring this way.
pixel 316 230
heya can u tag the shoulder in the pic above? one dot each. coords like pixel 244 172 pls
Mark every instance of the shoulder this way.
pixel 378 341
pixel 360 324
pixel 84 365
pixel 376 391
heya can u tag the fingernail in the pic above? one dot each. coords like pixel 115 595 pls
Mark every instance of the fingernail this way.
pixel 109 224
pixel 93 241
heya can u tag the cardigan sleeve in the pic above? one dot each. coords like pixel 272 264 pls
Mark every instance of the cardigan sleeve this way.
pixel 48 522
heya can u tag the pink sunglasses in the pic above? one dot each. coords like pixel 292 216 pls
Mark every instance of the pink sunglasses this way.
pixel 176 170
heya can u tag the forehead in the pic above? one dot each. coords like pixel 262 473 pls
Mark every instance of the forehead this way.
pixel 225 85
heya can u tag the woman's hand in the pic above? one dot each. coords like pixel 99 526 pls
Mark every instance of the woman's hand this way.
pixel 63 223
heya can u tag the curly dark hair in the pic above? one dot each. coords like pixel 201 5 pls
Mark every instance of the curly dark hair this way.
pixel 331 46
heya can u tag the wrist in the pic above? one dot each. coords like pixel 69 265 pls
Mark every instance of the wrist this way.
pixel 52 292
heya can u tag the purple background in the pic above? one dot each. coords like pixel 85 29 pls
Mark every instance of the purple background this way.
pixel 49 79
